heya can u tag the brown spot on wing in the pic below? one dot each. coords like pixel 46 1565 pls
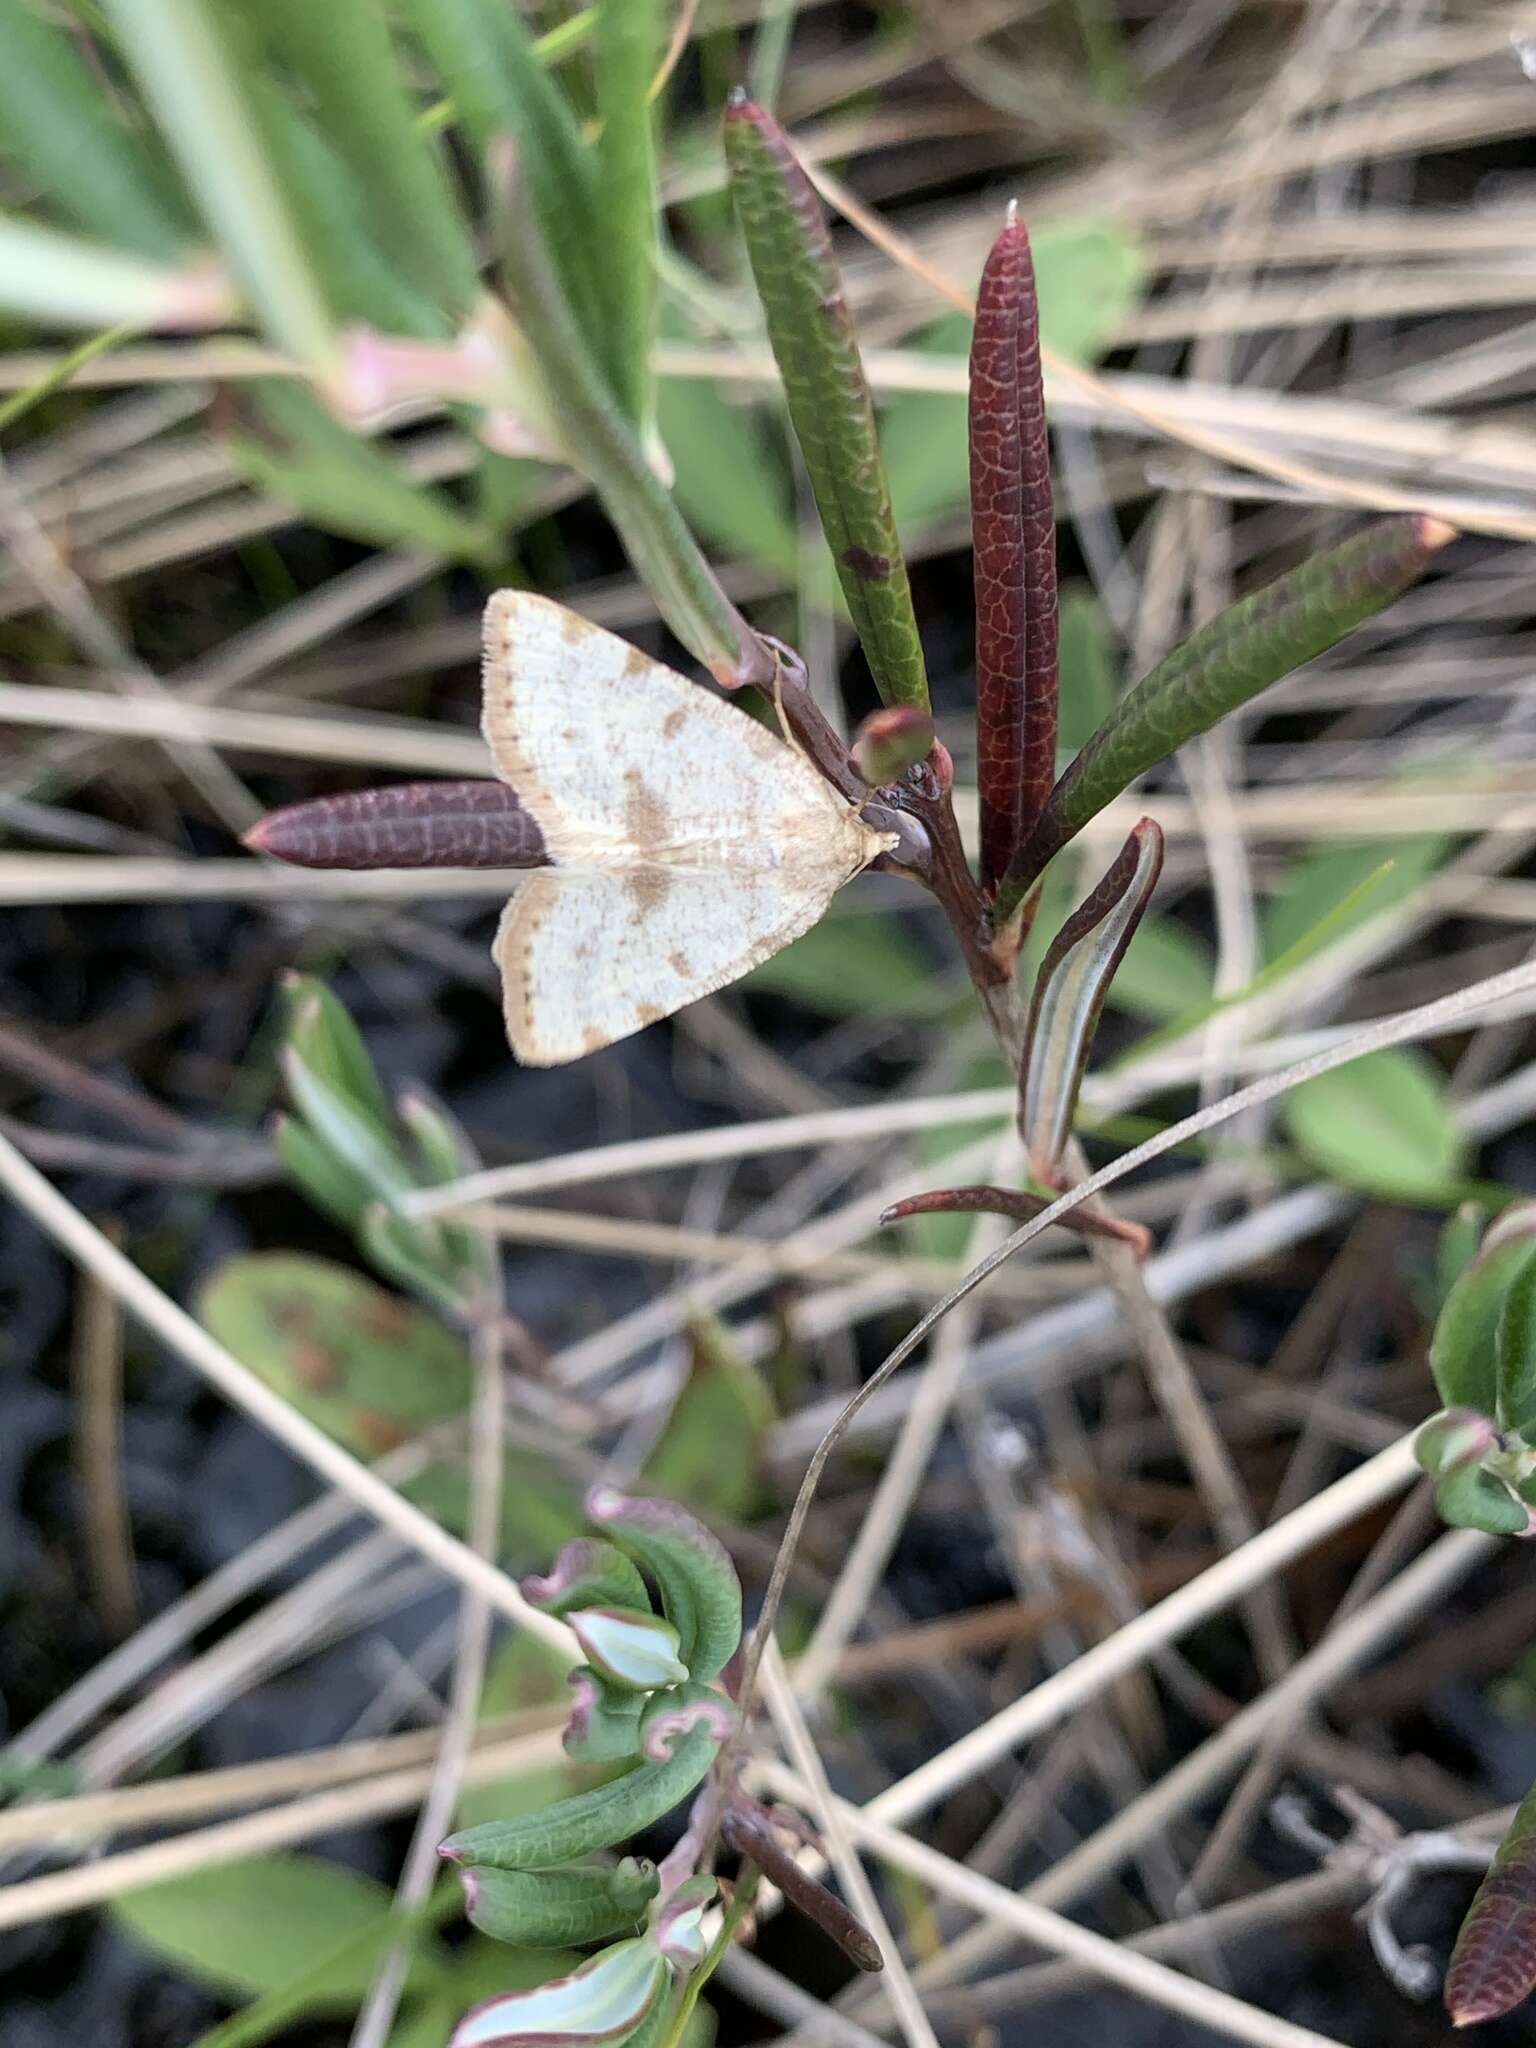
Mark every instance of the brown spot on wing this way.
pixel 645 822
pixel 680 966
pixel 674 722
pixel 647 890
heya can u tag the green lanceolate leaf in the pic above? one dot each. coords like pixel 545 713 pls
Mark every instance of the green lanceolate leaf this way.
pixel 606 448
pixel 343 56
pixel 1383 1124
pixel 62 280
pixel 587 1573
pixel 58 128
pixel 334 1188
pixel 1515 1350
pixel 628 51
pixel 368 1368
pixel 1463 1354
pixel 813 342
pixel 599 1819
pixel 1222 666
pixel 606 1998
pixel 321 1031
pixel 1493 1966
pixel 1069 995
pixel 566 1906
pixel 697 1581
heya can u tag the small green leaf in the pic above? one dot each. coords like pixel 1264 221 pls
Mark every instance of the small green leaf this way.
pixel 699 1589
pixel 366 1367
pixel 599 1819
pixel 1515 1350
pixel 710 1450
pixel 1493 1966
pixel 322 1032
pixel 256 1926
pixel 604 1727
pixel 571 1905
pixel 1382 1124
pixel 587 1573
pixel 636 1652
pixel 1463 1352
pixel 1454 1437
pixel 335 1189
pixel 366 1146
pixel 602 2000
pixel 811 333
pixel 1325 878
pixel 1471 1498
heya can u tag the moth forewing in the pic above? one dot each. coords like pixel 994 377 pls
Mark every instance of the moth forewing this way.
pixel 687 843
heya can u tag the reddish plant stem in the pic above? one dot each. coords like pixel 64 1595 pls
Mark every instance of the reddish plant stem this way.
pixel 1020 1205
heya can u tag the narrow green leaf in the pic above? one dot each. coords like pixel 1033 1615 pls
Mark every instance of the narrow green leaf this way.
pixel 62 280
pixel 256 1926
pixel 297 451
pixel 501 89
pixel 813 342
pixel 363 1142
pixel 1493 1965
pixel 1324 880
pixel 1222 666
pixel 322 1032
pixel 365 1366
pixel 628 52
pixel 335 1189
pixel 574 1905
pixel 1069 995
pixel 56 125
pixel 691 1568
pixel 1382 1124
pixel 182 62
pixel 413 1252
pixel 1463 1353
pixel 599 1819
pixel 344 59
pixel 606 449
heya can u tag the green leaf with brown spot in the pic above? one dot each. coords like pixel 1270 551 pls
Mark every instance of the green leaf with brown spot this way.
pixel 811 333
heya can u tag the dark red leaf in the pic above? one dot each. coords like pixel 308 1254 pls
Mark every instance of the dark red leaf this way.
pixel 1023 1207
pixel 1013 532
pixel 413 825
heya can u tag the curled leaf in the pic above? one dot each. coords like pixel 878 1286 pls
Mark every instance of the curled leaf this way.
pixel 582 1903
pixel 1021 1206
pixel 811 333
pixel 607 1997
pixel 1069 995
pixel 699 1589
pixel 678 1929
pixel 1013 538
pixel 587 1821
pixel 1463 1353
pixel 636 1652
pixel 673 1719
pixel 1470 1497
pixel 1454 1437
pixel 604 1727
pixel 587 1573
pixel 1239 653
pixel 1493 1965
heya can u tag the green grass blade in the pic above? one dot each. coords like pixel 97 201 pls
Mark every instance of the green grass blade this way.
pixel 183 63
pixel 59 130
pixel 343 57
pixel 65 281
pixel 628 49
pixel 605 447
pixel 1226 663
pixel 502 89
pixel 829 400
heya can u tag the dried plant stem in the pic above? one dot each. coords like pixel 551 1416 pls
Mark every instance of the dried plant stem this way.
pixel 486 1439
pixel 1108 1960
pixel 97 1362
pixel 192 1343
